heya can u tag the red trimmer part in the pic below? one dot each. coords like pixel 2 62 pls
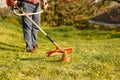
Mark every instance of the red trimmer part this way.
pixel 9 2
pixel 65 58
pixel 63 51
pixel 57 50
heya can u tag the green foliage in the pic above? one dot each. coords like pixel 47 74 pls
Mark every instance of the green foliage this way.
pixel 70 12
pixel 5 11
pixel 15 20
pixel 65 12
pixel 95 56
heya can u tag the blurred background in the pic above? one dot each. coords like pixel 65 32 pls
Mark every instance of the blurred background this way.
pixel 78 13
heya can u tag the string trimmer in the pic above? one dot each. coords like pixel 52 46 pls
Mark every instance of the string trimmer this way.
pixel 58 48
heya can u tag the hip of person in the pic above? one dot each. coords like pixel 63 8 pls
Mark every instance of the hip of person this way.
pixel 34 2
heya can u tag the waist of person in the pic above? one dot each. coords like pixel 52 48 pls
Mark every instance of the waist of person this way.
pixel 32 1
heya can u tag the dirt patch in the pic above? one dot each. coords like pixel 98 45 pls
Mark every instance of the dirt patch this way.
pixel 108 20
pixel 111 17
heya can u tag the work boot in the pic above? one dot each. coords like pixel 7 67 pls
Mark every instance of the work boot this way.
pixel 31 50
pixel 36 46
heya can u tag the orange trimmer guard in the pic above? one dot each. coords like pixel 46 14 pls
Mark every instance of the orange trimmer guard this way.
pixel 57 50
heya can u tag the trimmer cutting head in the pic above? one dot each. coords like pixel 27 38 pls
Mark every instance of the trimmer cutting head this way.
pixel 63 51
pixel 66 50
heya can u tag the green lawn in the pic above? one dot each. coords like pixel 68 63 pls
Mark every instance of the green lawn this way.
pixel 95 56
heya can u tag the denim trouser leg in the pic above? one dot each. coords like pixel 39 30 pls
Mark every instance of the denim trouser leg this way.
pixel 30 31
pixel 35 29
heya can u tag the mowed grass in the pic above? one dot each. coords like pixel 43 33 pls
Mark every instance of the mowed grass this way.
pixel 95 56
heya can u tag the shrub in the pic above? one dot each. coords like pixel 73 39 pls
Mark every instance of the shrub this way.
pixel 70 12
pixel 65 12
pixel 12 20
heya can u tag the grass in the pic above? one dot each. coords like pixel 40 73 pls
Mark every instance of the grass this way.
pixel 96 55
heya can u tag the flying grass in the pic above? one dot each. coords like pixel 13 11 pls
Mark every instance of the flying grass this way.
pixel 96 55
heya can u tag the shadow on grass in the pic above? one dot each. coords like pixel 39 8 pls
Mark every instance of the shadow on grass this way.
pixel 31 59
pixel 41 59
pixel 10 47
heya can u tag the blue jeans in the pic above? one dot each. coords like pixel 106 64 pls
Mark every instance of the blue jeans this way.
pixel 29 29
